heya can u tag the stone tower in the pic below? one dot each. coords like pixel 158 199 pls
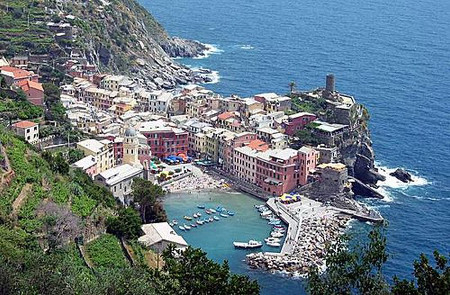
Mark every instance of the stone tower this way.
pixel 130 147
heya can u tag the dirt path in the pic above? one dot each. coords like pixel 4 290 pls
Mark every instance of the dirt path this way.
pixel 18 202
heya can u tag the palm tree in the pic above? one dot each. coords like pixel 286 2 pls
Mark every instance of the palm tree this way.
pixel 292 86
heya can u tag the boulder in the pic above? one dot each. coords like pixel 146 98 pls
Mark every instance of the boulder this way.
pixel 402 175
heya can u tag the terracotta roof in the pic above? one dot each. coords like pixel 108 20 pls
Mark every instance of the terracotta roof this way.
pixel 17 73
pixel 24 124
pixel 26 85
pixel 258 145
pixel 225 116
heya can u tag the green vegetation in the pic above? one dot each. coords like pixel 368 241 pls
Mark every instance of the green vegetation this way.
pixel 306 136
pixel 315 106
pixel 147 195
pixel 23 27
pixel 106 252
pixel 127 224
pixel 214 278
pixel 358 270
pixel 20 109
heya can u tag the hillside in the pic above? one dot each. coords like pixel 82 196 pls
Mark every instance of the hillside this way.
pixel 118 36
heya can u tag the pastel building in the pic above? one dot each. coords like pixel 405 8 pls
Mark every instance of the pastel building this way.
pixel 102 151
pixel 163 139
pixel 297 122
pixel 88 164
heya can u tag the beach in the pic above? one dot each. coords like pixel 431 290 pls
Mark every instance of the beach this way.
pixel 196 182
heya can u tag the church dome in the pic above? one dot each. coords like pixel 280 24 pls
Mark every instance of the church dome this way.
pixel 130 132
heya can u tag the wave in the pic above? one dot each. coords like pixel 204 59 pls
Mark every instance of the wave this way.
pixel 246 47
pixel 213 75
pixel 393 182
pixel 210 49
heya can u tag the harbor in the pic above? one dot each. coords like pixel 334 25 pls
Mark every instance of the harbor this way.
pixel 310 226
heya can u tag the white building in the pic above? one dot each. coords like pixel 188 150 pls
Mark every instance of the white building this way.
pixel 27 129
pixel 119 180
pixel 160 235
pixel 102 151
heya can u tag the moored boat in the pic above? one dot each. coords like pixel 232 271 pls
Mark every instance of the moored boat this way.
pixel 216 218
pixel 273 244
pixel 248 245
pixel 181 227
pixel 175 222
pixel 224 215
pixel 193 225
pixel 187 227
pixel 275 234
pixel 200 222
pixel 211 219
pixel 199 214
pixel 231 213
pixel 201 206
pixel 272 240
pixel 195 215
pixel 207 211
pixel 187 217
pixel 212 210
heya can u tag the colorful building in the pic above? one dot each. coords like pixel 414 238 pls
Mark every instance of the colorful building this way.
pixel 297 122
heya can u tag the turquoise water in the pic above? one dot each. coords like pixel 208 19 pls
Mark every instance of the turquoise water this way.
pixel 216 238
pixel 393 56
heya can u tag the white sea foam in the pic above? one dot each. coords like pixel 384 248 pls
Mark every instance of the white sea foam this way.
pixel 393 182
pixel 247 47
pixel 214 75
pixel 210 49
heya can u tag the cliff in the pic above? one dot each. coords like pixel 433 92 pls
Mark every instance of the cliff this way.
pixel 118 36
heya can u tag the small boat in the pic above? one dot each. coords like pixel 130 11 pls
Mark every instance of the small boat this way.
pixel 249 245
pixel 175 222
pixel 211 219
pixel 266 213
pixel 199 214
pixel 193 225
pixel 195 215
pixel 212 210
pixel 273 244
pixel 219 209
pixel 224 215
pixel 276 235
pixel 278 226
pixel 187 227
pixel 181 227
pixel 187 217
pixel 216 218
pixel 259 206
pixel 200 222
pixel 170 223
pixel 201 206
pixel 207 211
pixel 274 222
pixel 272 240
pixel 231 213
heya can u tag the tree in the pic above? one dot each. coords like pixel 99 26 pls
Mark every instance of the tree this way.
pixel 429 280
pixel 74 155
pixel 352 271
pixel 292 86
pixel 196 274
pixel 146 195
pixel 126 225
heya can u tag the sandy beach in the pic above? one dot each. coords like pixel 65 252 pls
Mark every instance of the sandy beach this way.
pixel 198 181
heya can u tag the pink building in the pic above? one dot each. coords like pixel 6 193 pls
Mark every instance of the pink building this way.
pixel 239 140
pixel 297 122
pixel 245 160
pixel 280 171
pixel 88 164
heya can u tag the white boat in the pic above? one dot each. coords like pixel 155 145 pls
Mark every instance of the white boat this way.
pixel 216 218
pixel 266 213
pixel 171 224
pixel 272 240
pixel 175 222
pixel 213 210
pixel 199 214
pixel 181 227
pixel 249 245
pixel 195 215
pixel 275 234
pixel 273 244
pixel 200 222
pixel 224 215
pixel 187 227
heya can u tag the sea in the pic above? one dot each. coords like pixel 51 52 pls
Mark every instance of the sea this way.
pixel 392 55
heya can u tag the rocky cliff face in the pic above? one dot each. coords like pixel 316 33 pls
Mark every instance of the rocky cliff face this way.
pixel 120 36
pixel 357 152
